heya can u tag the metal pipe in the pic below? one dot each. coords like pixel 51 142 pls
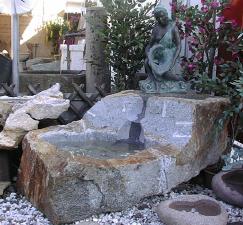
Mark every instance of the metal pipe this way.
pixel 15 49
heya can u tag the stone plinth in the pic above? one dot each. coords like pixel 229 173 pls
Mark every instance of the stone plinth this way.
pixel 71 172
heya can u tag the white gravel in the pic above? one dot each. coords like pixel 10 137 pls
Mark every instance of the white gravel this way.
pixel 15 210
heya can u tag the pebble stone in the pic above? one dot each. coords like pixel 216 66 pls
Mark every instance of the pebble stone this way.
pixel 16 210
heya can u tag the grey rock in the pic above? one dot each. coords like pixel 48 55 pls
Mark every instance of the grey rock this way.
pixel 35 61
pixel 3 186
pixel 25 117
pixel 7 105
pixel 69 180
pixel 235 223
pixel 5 109
pixel 228 186
pixel 51 66
pixel 191 210
pixel 86 223
pixel 18 122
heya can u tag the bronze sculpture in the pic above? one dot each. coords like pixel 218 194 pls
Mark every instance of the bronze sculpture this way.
pixel 161 55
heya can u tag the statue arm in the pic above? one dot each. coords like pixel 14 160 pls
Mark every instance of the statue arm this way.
pixel 177 41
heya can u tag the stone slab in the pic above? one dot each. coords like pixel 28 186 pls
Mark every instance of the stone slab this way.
pixel 69 183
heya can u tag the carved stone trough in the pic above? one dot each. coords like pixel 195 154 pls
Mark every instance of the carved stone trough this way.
pixel 191 210
pixel 127 147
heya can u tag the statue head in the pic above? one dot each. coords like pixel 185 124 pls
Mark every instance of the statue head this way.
pixel 161 15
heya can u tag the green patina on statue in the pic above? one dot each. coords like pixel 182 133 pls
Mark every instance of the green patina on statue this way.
pixel 163 50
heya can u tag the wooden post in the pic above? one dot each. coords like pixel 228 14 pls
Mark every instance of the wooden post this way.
pixel 97 69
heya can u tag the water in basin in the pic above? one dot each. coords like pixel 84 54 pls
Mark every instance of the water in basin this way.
pixel 105 149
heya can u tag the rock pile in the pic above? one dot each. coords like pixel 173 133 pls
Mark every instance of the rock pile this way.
pixel 25 117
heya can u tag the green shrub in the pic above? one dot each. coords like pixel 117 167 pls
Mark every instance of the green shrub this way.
pixel 127 34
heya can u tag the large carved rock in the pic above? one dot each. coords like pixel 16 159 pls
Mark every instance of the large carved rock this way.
pixel 127 147
pixel 25 117
pixel 191 210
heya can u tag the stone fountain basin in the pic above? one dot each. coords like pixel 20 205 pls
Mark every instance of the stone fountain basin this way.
pixel 71 172
pixel 102 144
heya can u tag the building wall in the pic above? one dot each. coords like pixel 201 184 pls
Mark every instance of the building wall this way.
pixel 5 35
pixel 32 27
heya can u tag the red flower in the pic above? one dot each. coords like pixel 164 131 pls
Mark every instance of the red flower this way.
pixel 214 4
pixel 199 56
pixel 218 61
pixel 220 19
pixel 191 67
pixel 204 9
pixel 202 30
pixel 234 23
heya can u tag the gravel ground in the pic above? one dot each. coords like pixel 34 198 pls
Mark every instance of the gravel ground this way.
pixel 16 210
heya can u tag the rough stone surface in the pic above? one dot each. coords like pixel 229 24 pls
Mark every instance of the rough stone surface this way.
pixel 3 186
pixel 6 105
pixel 25 117
pixel 5 109
pixel 35 61
pixel 228 186
pixel 69 183
pixel 191 210
pixel 51 66
pixel 86 223
pixel 18 122
pixel 47 79
pixel 235 223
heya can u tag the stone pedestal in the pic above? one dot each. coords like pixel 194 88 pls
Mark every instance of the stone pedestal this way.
pixel 97 69
pixel 71 172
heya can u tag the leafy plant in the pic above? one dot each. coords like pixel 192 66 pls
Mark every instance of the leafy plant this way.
pixel 127 33
pixel 208 32
pixel 54 31
pixel 89 3
pixel 72 21
pixel 234 159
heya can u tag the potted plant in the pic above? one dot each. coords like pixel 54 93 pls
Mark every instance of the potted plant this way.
pixel 55 30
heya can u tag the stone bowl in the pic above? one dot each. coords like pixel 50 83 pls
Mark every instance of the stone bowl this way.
pixel 229 186
pixel 203 207
pixel 191 210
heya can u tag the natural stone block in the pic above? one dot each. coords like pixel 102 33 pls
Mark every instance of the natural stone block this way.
pixel 71 172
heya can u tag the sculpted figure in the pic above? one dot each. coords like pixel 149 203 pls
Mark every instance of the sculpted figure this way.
pixel 161 55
